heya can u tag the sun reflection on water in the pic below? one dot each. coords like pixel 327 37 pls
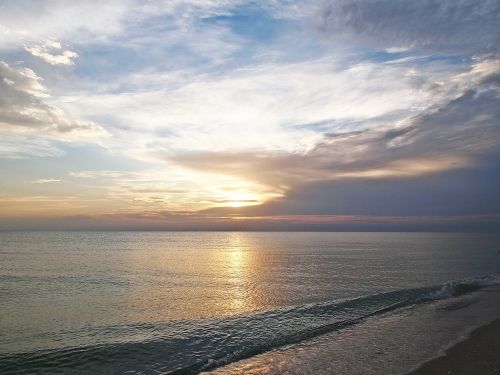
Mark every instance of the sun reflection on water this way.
pixel 238 262
pixel 177 277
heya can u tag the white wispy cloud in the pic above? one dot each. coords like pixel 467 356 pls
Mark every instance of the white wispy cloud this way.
pixel 14 146
pixel 264 107
pixel 26 22
pixel 47 181
pixel 95 174
pixel 92 21
pixel 52 53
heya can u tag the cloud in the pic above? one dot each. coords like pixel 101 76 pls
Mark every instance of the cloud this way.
pixel 18 147
pixel 47 181
pixel 471 190
pixel 24 109
pixel 172 220
pixel 211 113
pixel 93 21
pixel 450 135
pixel 28 22
pixel 273 106
pixel 437 169
pixel 95 174
pixel 436 25
pixel 52 53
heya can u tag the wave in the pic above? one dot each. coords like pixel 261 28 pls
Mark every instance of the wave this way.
pixel 456 288
pixel 187 347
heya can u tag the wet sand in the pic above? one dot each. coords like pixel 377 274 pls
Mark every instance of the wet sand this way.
pixel 477 355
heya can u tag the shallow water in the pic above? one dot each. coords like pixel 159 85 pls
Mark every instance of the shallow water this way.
pixel 161 302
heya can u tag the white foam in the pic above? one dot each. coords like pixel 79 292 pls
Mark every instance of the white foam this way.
pixel 450 289
pixel 446 291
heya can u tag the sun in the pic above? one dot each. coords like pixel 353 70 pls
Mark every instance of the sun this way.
pixel 240 199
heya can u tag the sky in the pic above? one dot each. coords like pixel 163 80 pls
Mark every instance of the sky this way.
pixel 250 115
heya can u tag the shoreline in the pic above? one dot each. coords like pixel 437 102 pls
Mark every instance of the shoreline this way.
pixel 433 338
pixel 479 353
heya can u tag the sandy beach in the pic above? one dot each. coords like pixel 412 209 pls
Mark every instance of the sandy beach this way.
pixel 477 355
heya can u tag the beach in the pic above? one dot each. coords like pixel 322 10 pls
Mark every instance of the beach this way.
pixel 478 354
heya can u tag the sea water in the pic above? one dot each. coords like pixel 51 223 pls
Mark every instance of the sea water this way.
pixel 188 302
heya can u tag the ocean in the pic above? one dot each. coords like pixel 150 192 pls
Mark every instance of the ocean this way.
pixel 234 302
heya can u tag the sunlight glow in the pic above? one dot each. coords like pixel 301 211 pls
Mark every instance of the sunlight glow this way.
pixel 241 200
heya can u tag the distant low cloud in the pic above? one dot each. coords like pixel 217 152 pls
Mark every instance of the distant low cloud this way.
pixel 52 53
pixel 47 181
pixel 95 174
pixel 166 220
